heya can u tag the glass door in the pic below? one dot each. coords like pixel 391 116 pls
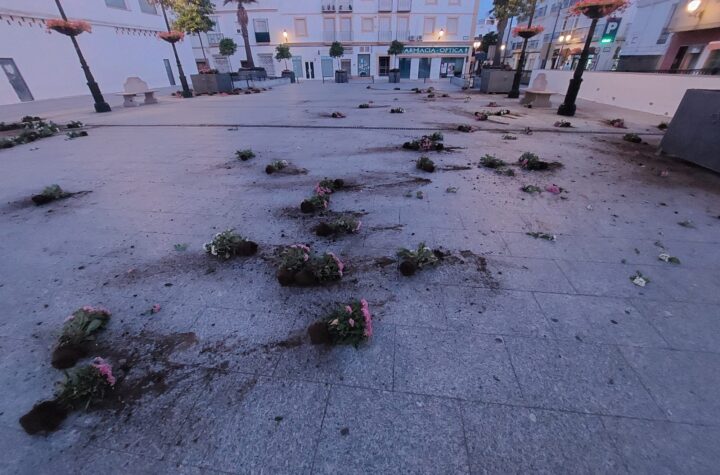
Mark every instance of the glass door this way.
pixel 405 68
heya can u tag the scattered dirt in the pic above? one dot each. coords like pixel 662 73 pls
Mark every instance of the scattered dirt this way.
pixel 296 213
pixel 451 168
pixel 14 206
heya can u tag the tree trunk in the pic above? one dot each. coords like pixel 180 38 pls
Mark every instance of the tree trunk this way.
pixel 202 47
pixel 497 58
pixel 243 20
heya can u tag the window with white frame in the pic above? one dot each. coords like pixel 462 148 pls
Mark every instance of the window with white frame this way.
pixel 262 30
pixel 368 24
pixel 116 4
pixel 429 25
pixel 300 27
pixel 147 7
pixel 452 26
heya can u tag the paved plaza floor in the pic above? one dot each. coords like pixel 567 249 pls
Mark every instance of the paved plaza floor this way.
pixel 514 355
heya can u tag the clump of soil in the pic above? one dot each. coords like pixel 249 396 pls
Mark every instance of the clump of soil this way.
pixel 44 417
pixel 302 278
pixel 66 356
pixel 425 164
pixel 319 334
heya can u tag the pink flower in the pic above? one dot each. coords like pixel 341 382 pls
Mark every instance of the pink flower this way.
pixel 368 318
pixel 321 190
pixel 301 246
pixel 351 322
pixel 70 317
pixel 554 189
pixel 104 369
pixel 155 308
pixel 357 228
pixel 348 308
pixel 338 262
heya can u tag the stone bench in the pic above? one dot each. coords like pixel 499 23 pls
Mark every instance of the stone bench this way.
pixel 135 86
pixel 537 95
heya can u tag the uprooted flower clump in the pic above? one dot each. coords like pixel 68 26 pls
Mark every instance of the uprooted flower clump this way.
pixel 229 244
pixel 49 194
pixel 78 330
pixel 530 161
pixel 426 143
pixel 316 202
pixel 299 266
pixel 545 236
pixel 346 324
pixel 81 388
pixel 425 164
pixel 32 129
pixel 632 138
pixel 412 261
pixel 342 225
pixel 244 155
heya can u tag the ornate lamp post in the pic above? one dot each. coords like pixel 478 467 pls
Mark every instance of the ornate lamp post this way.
pixel 172 39
pixel 525 32
pixel 593 9
pixel 100 104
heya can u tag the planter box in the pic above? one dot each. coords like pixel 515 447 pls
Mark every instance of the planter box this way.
pixel 394 76
pixel 251 74
pixel 289 74
pixel 692 133
pixel 211 83
pixel 496 81
pixel 341 76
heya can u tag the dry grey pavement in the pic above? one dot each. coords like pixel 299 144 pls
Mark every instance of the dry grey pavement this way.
pixel 515 355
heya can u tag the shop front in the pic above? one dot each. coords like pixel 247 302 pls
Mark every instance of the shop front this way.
pixel 433 62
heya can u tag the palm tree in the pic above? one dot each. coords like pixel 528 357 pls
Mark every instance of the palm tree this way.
pixel 242 17
pixel 503 10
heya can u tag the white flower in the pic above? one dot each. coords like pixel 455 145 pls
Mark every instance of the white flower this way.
pixel 665 257
pixel 639 281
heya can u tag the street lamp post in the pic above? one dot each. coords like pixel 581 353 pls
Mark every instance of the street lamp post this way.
pixel 568 107
pixel 100 104
pixel 183 80
pixel 515 90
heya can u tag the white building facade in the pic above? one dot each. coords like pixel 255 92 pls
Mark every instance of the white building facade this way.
pixel 38 64
pixel 560 44
pixel 438 36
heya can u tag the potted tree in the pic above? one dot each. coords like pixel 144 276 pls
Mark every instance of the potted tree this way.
pixel 498 78
pixel 337 51
pixel 395 49
pixel 282 52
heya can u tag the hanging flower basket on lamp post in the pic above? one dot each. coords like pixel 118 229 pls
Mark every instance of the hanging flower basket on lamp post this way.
pixel 171 37
pixel 527 32
pixel 69 27
pixel 593 9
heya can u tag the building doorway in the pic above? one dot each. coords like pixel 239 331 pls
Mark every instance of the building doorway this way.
pixel 346 65
pixel 297 66
pixel 450 67
pixel 363 65
pixel 405 68
pixel 267 62
pixel 383 65
pixel 309 70
pixel 16 80
pixel 170 75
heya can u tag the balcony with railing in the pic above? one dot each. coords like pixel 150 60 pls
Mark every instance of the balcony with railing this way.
pixel 385 36
pixel 404 5
pixel 336 6
pixel 214 38
pixel 328 36
pixel 403 35
pixel 345 36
